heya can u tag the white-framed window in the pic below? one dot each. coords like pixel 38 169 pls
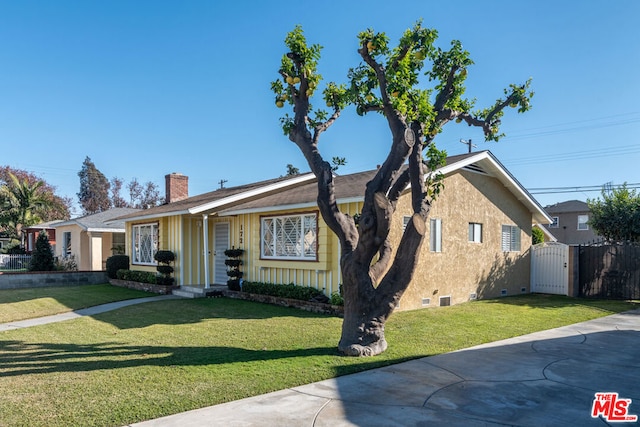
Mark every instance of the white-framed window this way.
pixel 292 237
pixel 405 222
pixel 144 243
pixel 66 244
pixel 475 232
pixel 555 223
pixel 583 222
pixel 435 235
pixel 510 238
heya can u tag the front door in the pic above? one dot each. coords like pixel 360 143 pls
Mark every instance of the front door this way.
pixel 220 244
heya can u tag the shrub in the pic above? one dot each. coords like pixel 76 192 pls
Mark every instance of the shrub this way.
pixel 165 258
pixel 42 257
pixel 137 276
pixel 68 263
pixel 115 263
pixel 292 291
pixel 336 299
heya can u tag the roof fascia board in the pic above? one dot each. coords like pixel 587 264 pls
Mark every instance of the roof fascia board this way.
pixel 287 207
pixel 105 230
pixel 251 193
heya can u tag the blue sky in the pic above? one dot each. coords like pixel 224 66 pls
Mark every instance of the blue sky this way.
pixel 146 88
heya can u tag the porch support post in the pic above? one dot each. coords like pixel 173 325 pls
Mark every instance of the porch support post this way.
pixel 205 232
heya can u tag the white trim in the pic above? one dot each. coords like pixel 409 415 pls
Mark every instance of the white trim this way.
pixel 105 230
pixel 309 205
pixel 251 193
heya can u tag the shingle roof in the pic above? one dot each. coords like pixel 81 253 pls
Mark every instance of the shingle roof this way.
pixel 105 221
pixel 568 206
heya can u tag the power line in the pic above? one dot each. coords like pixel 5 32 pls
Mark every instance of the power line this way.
pixel 581 189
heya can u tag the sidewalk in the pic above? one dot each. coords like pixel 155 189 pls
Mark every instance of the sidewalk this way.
pixel 547 378
pixel 79 313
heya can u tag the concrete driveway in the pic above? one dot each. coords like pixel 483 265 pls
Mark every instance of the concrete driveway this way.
pixel 548 378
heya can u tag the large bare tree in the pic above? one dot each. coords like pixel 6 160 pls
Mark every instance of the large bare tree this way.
pixel 375 273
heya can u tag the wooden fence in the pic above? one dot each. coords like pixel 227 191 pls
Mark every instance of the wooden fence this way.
pixel 610 270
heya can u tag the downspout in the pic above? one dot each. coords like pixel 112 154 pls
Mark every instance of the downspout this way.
pixel 205 233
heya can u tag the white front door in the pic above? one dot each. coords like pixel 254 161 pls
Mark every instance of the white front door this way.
pixel 220 244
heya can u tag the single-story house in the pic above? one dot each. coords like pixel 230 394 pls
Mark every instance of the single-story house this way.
pixel 92 239
pixel 33 231
pixel 479 233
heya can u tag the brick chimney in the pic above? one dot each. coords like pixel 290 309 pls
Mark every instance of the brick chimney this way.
pixel 176 187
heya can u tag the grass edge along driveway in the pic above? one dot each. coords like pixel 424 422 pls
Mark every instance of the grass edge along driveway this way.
pixel 156 359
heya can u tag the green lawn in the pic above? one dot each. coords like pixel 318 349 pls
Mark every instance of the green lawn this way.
pixel 20 304
pixel 155 359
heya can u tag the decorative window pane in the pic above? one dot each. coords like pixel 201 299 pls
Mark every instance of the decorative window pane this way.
pixel 145 243
pixel 510 238
pixel 555 223
pixel 582 222
pixel 435 235
pixel 289 237
pixel 475 232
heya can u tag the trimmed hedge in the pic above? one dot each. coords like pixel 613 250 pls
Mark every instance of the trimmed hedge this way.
pixel 292 291
pixel 115 263
pixel 137 276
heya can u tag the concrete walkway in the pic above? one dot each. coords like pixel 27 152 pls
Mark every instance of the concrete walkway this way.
pixel 79 313
pixel 546 378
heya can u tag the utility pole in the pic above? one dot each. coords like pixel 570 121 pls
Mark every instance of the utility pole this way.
pixel 468 143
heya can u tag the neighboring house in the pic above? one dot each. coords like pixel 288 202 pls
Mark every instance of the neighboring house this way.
pixel 92 239
pixel 5 240
pixel 571 222
pixel 33 232
pixel 479 233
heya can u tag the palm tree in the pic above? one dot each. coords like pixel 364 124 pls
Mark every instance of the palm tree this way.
pixel 20 202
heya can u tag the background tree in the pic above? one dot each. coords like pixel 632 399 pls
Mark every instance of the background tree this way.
pixel 617 215
pixel 292 170
pixel 21 202
pixel 53 207
pixel 375 274
pixel 116 199
pixel 537 236
pixel 42 257
pixel 94 189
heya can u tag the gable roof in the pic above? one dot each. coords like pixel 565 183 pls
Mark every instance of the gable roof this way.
pixel 45 225
pixel 575 206
pixel 221 198
pixel 350 188
pixel 301 192
pixel 106 221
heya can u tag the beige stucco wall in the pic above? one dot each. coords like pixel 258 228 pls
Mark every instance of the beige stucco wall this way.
pixel 464 268
pixel 460 270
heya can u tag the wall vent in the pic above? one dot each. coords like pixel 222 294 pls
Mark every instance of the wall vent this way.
pixel 503 292
pixel 445 301
pixel 523 290
pixel 426 301
pixel 473 296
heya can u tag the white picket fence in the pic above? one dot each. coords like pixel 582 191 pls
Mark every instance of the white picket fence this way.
pixel 14 262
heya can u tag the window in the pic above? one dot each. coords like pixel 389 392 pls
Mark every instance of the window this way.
pixel 583 222
pixel 555 223
pixel 405 222
pixel 66 244
pixel 510 238
pixel 475 232
pixel 145 243
pixel 289 237
pixel 435 235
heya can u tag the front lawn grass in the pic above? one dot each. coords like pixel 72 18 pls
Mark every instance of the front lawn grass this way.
pixel 20 304
pixel 155 359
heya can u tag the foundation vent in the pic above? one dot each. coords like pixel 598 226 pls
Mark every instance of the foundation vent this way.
pixel 473 296
pixel 523 290
pixel 426 301
pixel 445 301
pixel 503 292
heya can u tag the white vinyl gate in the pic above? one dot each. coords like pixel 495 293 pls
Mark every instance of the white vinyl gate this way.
pixel 549 268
